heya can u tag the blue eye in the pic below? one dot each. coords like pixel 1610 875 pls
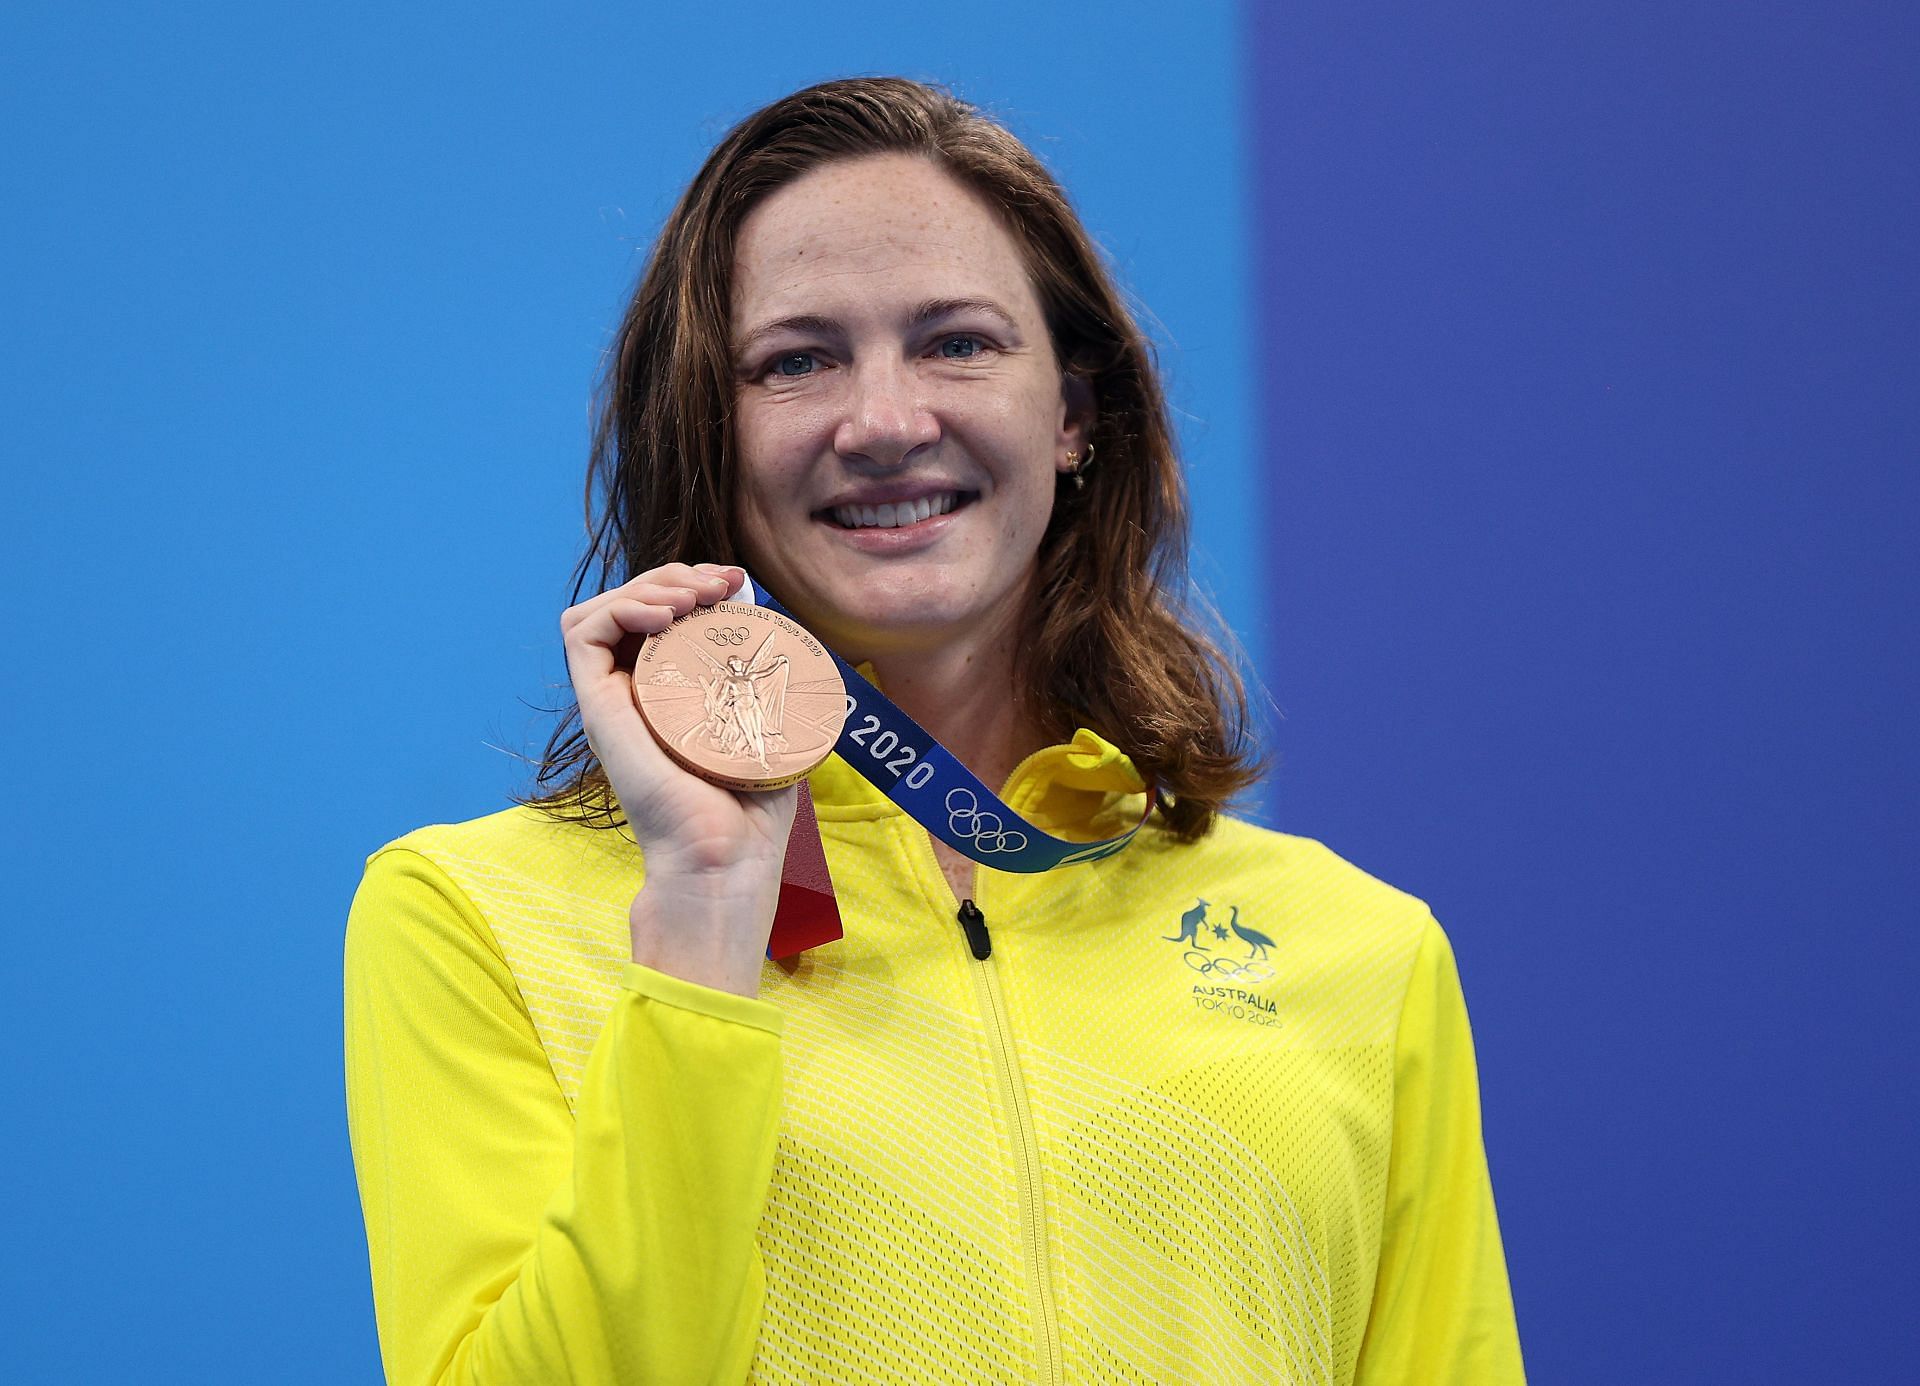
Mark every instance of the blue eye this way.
pixel 781 363
pixel 973 342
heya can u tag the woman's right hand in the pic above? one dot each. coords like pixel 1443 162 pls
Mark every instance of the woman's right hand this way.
pixel 712 856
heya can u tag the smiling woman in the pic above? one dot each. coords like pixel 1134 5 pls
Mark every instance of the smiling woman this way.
pixel 871 269
pixel 895 487
pixel 1176 1098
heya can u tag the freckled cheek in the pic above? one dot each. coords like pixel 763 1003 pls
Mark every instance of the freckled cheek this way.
pixel 786 431
pixel 768 517
pixel 1019 420
pixel 776 449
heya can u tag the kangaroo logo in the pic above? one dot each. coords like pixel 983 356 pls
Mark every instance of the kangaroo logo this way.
pixel 1190 923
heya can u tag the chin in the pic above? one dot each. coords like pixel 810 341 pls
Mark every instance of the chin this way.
pixel 899 627
pixel 925 623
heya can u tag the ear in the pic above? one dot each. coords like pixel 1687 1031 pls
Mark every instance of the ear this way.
pixel 1076 418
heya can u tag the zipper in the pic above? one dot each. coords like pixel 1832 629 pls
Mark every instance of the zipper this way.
pixel 1033 1230
pixel 975 923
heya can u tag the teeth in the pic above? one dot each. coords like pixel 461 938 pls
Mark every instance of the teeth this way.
pixel 893 515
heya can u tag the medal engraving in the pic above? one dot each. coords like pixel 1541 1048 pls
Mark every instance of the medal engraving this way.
pixel 740 695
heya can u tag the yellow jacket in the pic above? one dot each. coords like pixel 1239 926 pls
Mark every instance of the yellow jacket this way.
pixel 1205 1112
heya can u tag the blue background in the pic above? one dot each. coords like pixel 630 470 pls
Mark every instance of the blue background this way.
pixel 1546 380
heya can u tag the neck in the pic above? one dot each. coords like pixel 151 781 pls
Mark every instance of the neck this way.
pixel 963 694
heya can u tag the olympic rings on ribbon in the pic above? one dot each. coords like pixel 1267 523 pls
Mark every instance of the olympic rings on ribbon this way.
pixel 984 830
pixel 1250 973
pixel 727 635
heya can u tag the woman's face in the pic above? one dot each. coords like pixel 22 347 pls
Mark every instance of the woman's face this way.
pixel 900 417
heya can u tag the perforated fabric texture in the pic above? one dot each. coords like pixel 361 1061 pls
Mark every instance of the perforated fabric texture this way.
pixel 1150 1139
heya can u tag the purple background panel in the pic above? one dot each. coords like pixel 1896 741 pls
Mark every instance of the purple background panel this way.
pixel 1589 443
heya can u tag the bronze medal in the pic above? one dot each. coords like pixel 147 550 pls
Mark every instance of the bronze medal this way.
pixel 740 696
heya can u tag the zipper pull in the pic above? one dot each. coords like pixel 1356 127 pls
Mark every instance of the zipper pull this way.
pixel 975 923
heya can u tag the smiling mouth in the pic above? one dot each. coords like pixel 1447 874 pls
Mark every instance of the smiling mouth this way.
pixel 897 515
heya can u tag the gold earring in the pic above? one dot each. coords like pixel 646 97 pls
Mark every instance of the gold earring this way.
pixel 1076 467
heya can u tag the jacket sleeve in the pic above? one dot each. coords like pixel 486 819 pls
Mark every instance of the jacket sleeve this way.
pixel 513 1241
pixel 1442 1310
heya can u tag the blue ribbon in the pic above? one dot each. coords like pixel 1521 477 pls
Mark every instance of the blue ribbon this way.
pixel 898 757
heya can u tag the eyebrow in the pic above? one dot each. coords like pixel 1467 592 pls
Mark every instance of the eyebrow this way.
pixel 931 310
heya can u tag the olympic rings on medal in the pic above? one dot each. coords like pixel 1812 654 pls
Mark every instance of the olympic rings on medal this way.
pixel 984 830
pixel 1251 973
pixel 727 635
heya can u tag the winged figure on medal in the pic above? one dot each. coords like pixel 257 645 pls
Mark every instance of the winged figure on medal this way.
pixel 746 704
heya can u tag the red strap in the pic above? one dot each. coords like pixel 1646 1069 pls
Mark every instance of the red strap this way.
pixel 808 915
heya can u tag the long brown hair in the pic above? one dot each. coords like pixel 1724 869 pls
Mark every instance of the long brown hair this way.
pixel 1109 640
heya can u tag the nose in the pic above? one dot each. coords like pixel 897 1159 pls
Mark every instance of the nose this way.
pixel 886 419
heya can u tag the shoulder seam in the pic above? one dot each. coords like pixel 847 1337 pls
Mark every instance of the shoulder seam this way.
pixel 493 942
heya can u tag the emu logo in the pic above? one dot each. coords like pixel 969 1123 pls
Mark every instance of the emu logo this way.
pixel 1194 921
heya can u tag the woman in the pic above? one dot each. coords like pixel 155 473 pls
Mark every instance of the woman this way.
pixel 1201 1110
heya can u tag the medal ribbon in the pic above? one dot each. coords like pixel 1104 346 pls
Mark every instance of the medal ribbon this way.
pixel 900 759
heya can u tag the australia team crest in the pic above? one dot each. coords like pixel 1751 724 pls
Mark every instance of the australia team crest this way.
pixel 1213 948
